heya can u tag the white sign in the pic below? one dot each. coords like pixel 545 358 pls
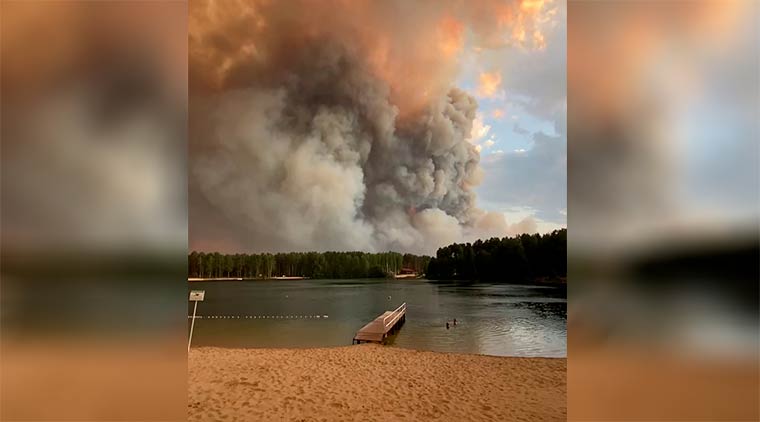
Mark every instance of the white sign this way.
pixel 197 295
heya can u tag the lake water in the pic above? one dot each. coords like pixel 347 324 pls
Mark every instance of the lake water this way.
pixel 492 319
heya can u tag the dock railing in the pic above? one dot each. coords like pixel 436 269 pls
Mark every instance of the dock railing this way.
pixel 394 316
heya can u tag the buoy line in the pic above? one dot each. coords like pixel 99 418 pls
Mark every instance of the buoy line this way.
pixel 259 317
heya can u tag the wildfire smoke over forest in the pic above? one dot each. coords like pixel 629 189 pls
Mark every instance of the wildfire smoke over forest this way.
pixel 337 125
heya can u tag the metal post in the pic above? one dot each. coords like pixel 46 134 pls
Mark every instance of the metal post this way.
pixel 192 325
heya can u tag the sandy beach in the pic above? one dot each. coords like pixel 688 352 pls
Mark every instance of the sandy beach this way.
pixel 371 383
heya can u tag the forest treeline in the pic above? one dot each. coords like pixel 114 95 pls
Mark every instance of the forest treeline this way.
pixel 520 258
pixel 510 259
pixel 303 264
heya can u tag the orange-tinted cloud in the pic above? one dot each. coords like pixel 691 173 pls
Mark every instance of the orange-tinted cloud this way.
pixel 532 6
pixel 451 36
pixel 520 24
pixel 489 83
pixel 232 43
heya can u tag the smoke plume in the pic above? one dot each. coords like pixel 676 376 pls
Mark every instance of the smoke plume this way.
pixel 334 125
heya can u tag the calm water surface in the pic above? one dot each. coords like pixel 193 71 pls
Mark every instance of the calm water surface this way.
pixel 493 319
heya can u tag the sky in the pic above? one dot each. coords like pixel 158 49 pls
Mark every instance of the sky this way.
pixel 521 125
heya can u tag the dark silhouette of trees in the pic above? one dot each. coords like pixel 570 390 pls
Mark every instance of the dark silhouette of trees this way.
pixel 303 264
pixel 519 258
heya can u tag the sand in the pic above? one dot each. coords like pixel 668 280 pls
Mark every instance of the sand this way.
pixel 371 383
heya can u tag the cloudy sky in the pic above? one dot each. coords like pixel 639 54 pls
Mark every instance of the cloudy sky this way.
pixel 521 125
pixel 375 125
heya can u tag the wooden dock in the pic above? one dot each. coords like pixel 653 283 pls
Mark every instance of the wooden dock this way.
pixel 381 327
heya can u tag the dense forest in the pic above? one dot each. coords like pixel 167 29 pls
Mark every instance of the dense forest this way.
pixel 519 258
pixel 304 264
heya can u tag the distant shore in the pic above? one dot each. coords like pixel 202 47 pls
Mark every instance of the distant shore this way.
pixel 557 281
pixel 409 276
pixel 397 277
pixel 244 278
pixel 372 382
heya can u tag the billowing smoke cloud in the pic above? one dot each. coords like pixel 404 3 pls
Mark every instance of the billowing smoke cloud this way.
pixel 334 125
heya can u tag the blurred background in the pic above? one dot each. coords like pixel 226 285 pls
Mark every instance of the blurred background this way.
pixel 663 210
pixel 94 214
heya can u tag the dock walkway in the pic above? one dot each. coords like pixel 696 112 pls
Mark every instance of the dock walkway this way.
pixel 381 327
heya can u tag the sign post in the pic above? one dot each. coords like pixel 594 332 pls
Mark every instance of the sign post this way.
pixel 195 296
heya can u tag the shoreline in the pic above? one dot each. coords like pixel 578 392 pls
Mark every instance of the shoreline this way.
pixel 384 346
pixel 372 382
pixel 559 282
pixel 194 279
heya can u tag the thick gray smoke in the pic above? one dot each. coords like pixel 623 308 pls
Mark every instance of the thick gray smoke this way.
pixel 305 147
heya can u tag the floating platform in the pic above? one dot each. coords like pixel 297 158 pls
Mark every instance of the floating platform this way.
pixel 381 327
